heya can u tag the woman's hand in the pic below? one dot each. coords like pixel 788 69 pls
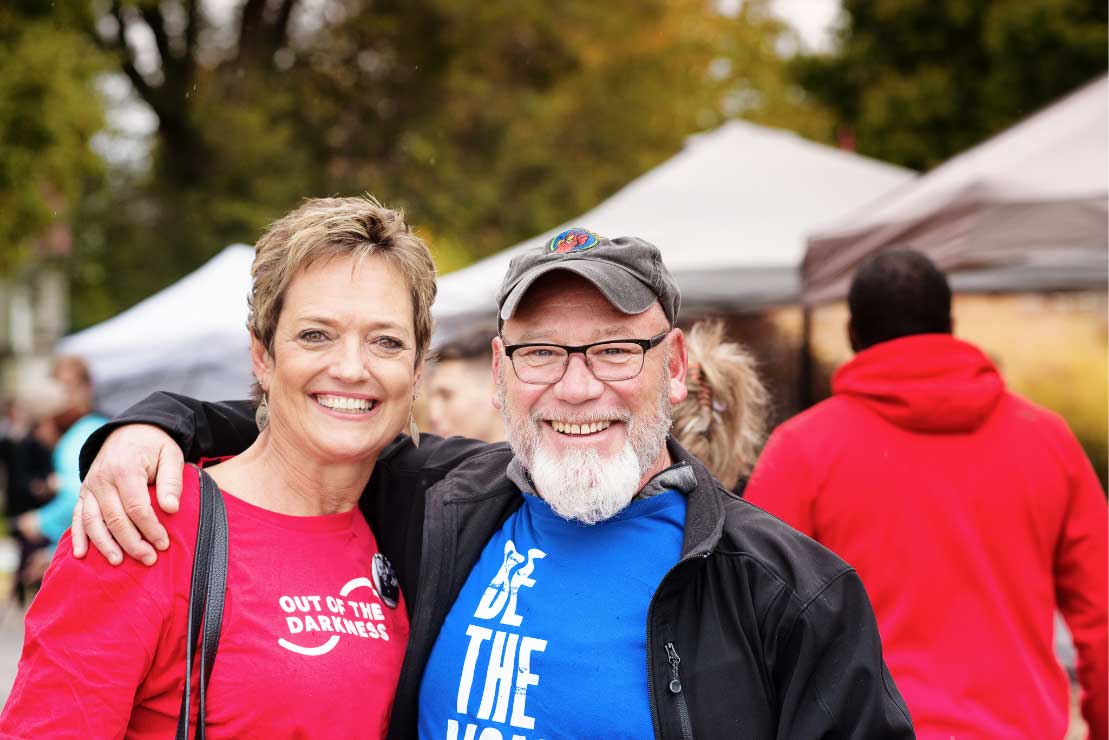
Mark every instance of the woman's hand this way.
pixel 114 508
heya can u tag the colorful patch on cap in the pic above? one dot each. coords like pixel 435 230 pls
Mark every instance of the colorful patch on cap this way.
pixel 573 240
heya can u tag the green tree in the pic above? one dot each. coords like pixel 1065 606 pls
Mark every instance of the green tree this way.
pixel 917 81
pixel 225 156
pixel 486 121
pixel 47 119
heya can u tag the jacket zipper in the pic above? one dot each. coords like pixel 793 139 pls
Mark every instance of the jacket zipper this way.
pixel 676 690
pixel 683 710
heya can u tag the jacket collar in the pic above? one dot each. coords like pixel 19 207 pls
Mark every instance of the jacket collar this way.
pixel 704 518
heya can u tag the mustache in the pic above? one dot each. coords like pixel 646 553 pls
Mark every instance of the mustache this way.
pixel 586 417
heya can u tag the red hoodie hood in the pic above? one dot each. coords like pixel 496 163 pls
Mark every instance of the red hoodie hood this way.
pixel 924 383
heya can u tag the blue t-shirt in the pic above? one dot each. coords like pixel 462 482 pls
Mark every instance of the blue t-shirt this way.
pixel 547 638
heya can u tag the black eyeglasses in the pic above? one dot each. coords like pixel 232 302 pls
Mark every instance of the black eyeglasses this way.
pixel 613 359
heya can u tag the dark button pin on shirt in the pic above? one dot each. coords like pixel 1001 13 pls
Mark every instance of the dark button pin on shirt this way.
pixel 385 581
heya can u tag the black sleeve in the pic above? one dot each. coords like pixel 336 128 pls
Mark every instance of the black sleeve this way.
pixel 394 499
pixel 835 682
pixel 200 428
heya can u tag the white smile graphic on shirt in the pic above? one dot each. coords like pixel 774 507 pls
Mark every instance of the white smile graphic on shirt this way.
pixel 331 614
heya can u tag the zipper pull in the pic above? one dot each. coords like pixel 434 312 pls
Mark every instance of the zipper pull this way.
pixel 675 679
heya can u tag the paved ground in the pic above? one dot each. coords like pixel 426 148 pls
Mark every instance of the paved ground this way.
pixel 11 620
pixel 11 644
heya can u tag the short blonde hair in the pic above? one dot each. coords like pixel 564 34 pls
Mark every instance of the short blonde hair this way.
pixel 723 419
pixel 330 227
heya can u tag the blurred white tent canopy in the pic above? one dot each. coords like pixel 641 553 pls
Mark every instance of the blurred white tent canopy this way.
pixel 189 338
pixel 1027 210
pixel 730 213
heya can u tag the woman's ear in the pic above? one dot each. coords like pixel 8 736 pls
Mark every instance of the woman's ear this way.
pixel 261 362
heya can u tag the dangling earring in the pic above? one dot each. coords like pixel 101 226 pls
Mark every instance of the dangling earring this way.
pixel 413 430
pixel 262 414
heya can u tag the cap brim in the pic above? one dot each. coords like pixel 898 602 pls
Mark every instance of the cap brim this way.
pixel 630 296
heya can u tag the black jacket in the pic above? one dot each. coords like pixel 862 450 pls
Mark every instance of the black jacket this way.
pixel 757 631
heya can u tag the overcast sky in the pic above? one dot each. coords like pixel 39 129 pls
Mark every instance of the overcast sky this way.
pixel 813 19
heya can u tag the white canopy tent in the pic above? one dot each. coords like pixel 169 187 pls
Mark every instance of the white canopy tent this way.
pixel 189 338
pixel 729 212
pixel 1027 210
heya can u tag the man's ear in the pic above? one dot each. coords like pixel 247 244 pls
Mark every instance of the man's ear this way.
pixel 498 358
pixel 679 364
pixel 261 362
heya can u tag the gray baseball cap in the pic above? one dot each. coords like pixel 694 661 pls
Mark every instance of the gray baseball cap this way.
pixel 627 270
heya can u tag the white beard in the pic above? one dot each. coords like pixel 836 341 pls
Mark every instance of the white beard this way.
pixel 583 485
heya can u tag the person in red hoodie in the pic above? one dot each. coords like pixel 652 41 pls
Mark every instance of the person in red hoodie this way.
pixel 970 514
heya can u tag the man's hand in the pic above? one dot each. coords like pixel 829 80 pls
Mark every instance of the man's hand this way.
pixel 114 508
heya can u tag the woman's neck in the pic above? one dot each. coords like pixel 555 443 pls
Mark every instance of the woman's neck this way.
pixel 276 475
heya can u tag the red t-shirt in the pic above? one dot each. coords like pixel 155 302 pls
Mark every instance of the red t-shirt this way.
pixel 308 647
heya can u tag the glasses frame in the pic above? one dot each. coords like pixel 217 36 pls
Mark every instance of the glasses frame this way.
pixel 645 344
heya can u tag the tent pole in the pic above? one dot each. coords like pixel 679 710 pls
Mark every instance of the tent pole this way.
pixel 805 361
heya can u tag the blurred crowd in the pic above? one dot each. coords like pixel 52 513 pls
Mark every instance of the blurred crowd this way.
pixel 44 424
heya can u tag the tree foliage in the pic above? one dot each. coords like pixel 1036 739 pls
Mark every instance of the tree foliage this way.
pixel 917 81
pixel 486 121
pixel 46 124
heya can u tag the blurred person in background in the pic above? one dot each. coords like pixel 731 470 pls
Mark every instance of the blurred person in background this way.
pixel 26 453
pixel 460 389
pixel 315 628
pixel 723 419
pixel 74 423
pixel 970 513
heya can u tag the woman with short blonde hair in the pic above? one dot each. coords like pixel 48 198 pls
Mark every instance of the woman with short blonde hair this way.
pixel 314 625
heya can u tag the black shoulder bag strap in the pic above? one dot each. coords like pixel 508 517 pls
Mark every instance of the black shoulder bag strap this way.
pixel 206 594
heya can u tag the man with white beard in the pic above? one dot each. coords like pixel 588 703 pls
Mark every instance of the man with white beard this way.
pixel 593 580
pixel 580 481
